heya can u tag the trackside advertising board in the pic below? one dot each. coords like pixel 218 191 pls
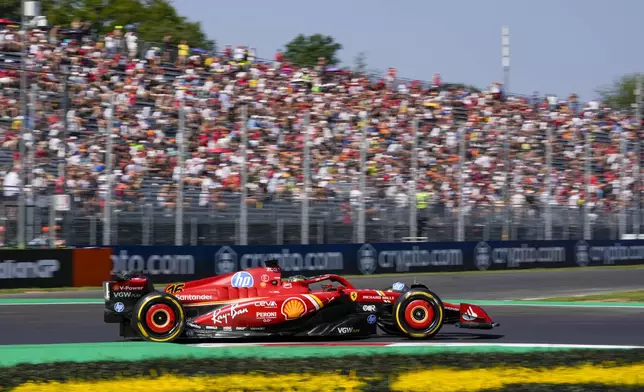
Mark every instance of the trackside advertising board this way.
pixel 177 263
pixel 36 268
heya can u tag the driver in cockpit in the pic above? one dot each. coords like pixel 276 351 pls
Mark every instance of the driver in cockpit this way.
pixel 296 278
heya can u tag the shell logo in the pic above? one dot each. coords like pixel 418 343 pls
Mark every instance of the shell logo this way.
pixel 293 308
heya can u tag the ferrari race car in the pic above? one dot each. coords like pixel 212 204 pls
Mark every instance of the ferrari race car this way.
pixel 258 302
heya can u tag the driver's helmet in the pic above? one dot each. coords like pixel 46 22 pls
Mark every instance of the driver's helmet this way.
pixel 296 278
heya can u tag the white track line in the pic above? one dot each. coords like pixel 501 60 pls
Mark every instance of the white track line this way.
pixel 429 344
pixel 518 345
pixel 222 345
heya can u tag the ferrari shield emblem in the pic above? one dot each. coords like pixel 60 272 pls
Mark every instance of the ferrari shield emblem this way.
pixel 354 296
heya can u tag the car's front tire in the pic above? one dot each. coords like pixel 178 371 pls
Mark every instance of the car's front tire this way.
pixel 158 317
pixel 419 314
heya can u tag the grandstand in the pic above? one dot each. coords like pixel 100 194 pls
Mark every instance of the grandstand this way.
pixel 506 140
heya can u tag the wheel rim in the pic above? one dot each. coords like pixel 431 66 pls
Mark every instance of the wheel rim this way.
pixel 160 318
pixel 419 314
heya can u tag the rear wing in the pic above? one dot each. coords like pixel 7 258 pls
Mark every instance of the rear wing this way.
pixel 122 294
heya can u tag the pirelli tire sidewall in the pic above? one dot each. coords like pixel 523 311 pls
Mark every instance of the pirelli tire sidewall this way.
pixel 414 297
pixel 162 305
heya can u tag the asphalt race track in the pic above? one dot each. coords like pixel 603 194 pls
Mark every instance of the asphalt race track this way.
pixel 489 285
pixel 84 324
pixel 40 324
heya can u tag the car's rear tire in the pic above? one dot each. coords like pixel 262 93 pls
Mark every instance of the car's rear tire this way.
pixel 419 314
pixel 158 317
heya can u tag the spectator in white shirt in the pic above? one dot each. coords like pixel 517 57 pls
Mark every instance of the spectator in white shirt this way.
pixel 11 184
pixel 132 44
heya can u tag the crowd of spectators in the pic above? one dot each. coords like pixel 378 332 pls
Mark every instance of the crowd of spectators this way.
pixel 148 85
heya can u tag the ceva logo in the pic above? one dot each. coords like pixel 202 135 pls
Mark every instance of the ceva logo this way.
pixel 225 260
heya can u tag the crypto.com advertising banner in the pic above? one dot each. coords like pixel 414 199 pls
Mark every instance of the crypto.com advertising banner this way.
pixel 179 263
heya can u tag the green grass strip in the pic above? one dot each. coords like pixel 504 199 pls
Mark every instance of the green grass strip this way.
pixel 634 296
pixel 137 351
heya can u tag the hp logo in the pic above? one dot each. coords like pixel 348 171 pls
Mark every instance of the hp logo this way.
pixel 371 319
pixel 119 307
pixel 242 279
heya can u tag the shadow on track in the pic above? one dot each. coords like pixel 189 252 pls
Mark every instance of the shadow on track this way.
pixel 380 339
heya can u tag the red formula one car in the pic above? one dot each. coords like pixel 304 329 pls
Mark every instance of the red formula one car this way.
pixel 258 302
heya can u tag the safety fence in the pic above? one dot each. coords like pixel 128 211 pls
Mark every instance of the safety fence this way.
pixel 279 222
pixel 163 264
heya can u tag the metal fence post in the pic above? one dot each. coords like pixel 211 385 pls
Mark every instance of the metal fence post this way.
pixel 638 146
pixel 145 226
pixel 280 232
pixel 92 231
pixel 107 208
pixel 243 209
pixel 413 207
pixel 622 184
pixel 460 229
pixel 65 104
pixel 194 231
pixel 181 142
pixel 548 206
pixel 23 129
pixel 30 205
pixel 363 163
pixel 52 221
pixel 151 221
pixel 304 229
pixel 587 175
pixel 506 183
pixel 320 231
pixel 115 233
